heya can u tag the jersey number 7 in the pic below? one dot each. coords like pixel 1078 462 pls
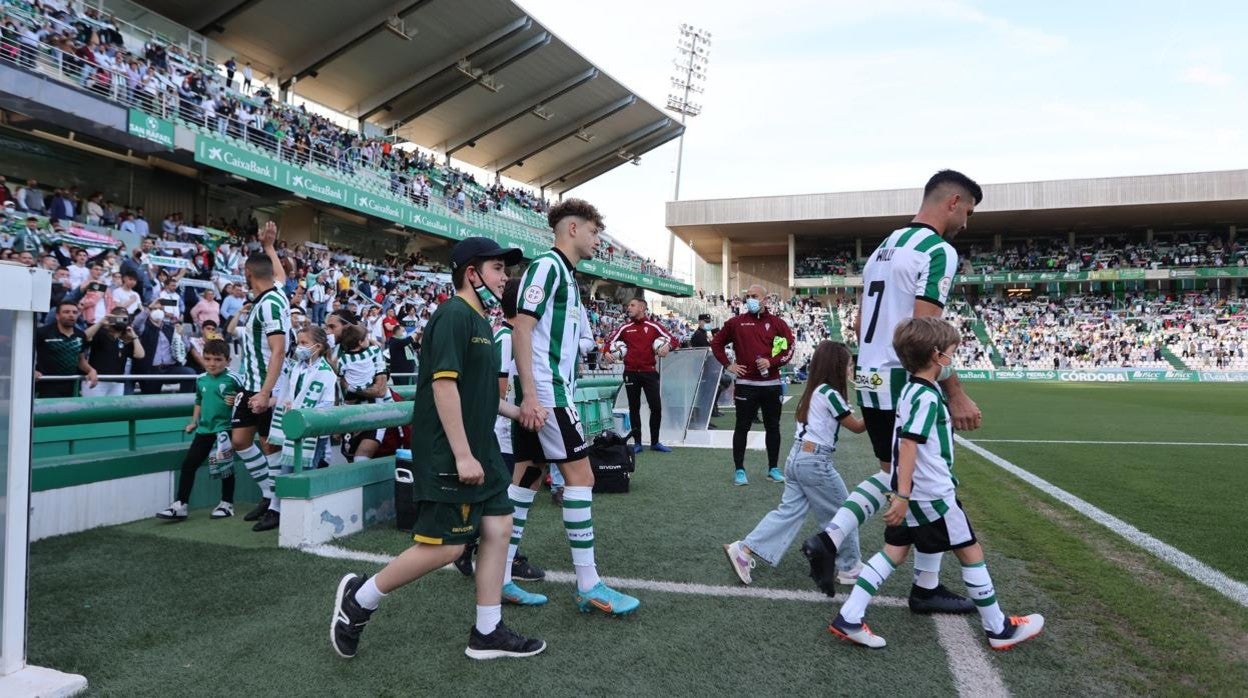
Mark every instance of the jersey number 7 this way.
pixel 875 288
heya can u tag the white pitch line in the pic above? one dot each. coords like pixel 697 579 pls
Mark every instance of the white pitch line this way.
pixel 972 670
pixel 769 594
pixel 1218 581
pixel 972 673
pixel 1108 443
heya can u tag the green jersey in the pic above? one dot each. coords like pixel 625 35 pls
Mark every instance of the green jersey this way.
pixel 458 346
pixel 210 394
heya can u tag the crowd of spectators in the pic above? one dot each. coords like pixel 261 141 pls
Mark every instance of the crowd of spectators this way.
pixel 834 262
pixel 1110 252
pixel 90 49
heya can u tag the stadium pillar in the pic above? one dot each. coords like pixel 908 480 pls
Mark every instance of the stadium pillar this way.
pixel 792 261
pixel 1070 238
pixel 857 248
pixel 1148 236
pixel 726 251
pixel 1230 234
pixel 26 292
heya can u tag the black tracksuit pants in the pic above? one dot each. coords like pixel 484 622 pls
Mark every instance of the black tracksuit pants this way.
pixel 748 399
pixel 634 383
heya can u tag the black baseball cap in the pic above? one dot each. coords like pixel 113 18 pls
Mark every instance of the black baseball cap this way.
pixel 469 249
pixel 704 317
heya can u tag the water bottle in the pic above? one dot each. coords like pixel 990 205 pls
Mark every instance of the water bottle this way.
pixel 766 371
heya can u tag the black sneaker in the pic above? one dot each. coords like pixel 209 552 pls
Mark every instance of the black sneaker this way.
pixel 464 562
pixel 268 521
pixel 938 600
pixel 821 552
pixel 349 618
pixel 525 571
pixel 503 642
pixel 256 513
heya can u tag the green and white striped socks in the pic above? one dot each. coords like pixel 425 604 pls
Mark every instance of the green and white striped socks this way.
pixel 979 588
pixel 866 499
pixel 257 467
pixel 868 585
pixel 578 522
pixel 521 500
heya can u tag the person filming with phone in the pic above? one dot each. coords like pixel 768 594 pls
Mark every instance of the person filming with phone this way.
pixel 111 341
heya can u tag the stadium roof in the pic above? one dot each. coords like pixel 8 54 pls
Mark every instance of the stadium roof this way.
pixel 479 79
pixel 1111 204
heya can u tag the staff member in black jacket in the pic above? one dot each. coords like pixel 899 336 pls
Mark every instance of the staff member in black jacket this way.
pixel 701 336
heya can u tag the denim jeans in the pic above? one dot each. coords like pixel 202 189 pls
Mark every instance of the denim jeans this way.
pixel 810 482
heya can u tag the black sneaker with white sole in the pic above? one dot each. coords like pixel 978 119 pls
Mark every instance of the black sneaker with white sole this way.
pixel 503 642
pixel 526 571
pixel 349 618
pixel 256 513
pixel 268 521
pixel 821 552
pixel 939 600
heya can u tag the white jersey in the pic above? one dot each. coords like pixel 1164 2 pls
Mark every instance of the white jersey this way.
pixel 823 417
pixel 913 262
pixel 923 417
pixel 506 369
pixel 358 369
pixel 269 315
pixel 549 294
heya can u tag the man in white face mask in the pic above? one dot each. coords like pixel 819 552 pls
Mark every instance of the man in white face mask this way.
pixel 156 330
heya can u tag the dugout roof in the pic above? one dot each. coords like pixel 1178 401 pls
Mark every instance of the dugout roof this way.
pixel 761 225
pixel 479 79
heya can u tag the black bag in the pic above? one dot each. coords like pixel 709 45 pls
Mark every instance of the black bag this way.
pixel 613 462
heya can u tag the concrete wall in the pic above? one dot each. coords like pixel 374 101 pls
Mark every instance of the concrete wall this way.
pixel 772 272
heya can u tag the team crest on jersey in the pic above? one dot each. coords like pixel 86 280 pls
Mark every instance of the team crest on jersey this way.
pixel 945 283
pixel 534 294
pixel 876 381
pixel 767 326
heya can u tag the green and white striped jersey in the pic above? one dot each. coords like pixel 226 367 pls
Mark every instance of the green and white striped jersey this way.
pixel 823 417
pixel 359 368
pixel 549 294
pixel 913 262
pixel 506 369
pixel 270 315
pixel 923 417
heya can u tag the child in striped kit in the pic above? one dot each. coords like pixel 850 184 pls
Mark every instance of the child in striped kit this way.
pixel 810 481
pixel 924 511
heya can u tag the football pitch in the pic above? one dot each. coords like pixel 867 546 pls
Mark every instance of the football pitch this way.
pixel 207 607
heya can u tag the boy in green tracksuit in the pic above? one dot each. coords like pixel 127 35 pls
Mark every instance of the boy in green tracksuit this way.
pixel 460 477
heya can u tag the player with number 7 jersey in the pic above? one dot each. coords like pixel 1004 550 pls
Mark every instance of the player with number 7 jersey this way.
pixel 913 262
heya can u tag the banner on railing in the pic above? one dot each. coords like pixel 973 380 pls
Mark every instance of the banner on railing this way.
pixel 231 158
pixel 1122 375
pixel 151 128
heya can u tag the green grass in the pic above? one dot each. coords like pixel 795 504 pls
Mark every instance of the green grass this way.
pixel 1168 492
pixel 207 607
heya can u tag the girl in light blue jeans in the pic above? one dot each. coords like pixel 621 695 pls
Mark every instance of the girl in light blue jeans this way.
pixel 810 480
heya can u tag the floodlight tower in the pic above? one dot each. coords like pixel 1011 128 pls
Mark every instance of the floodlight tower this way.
pixel 693 49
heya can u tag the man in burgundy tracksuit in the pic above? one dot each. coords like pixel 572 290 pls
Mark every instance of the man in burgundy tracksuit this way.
pixel 640 372
pixel 753 338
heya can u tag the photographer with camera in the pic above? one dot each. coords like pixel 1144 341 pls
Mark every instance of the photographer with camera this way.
pixel 112 341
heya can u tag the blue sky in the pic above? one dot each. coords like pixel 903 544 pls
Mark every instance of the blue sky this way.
pixel 814 96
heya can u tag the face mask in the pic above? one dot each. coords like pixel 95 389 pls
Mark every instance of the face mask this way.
pixel 489 301
pixel 332 341
pixel 946 371
pixel 752 305
pixel 158 316
pixel 303 353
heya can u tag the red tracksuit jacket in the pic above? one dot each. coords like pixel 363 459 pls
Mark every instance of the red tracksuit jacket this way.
pixel 751 338
pixel 639 336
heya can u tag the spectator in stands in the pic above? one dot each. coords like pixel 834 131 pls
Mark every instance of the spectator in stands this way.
pixel 170 297
pixel 247 78
pixel 28 238
pixel 140 223
pixel 62 207
pixel 60 350
pixel 158 333
pixel 207 309
pixel 112 342
pixel 761 343
pixel 30 198
pixel 233 301
pixel 127 295
pixel 61 292
pixel 137 265
pixel 93 300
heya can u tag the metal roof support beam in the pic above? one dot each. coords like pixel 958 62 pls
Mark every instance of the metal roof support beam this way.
pixel 320 56
pixel 217 24
pixel 550 94
pixel 447 63
pixel 580 176
pixel 581 124
pixel 611 149
pixel 514 54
